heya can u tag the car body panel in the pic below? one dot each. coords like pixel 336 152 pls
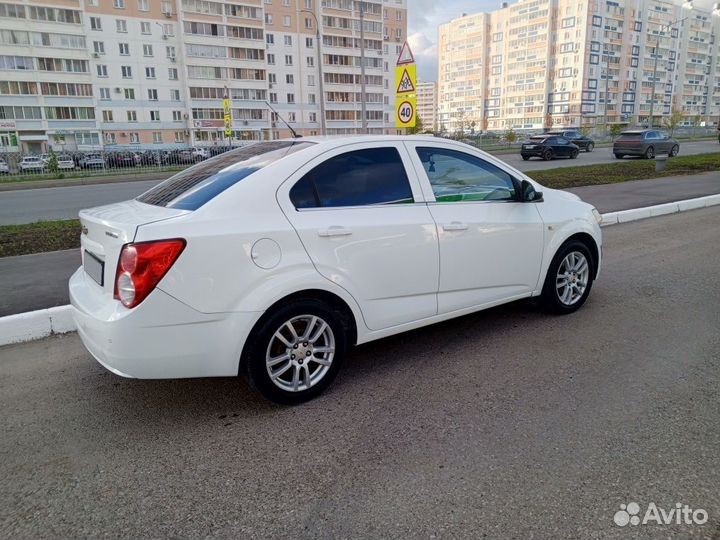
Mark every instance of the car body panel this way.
pixel 537 145
pixel 637 142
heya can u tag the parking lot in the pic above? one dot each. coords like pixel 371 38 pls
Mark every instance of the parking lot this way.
pixel 504 424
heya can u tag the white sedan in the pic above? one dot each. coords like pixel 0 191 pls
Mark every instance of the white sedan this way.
pixel 272 259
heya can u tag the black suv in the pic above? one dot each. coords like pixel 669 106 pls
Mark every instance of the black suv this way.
pixel 575 137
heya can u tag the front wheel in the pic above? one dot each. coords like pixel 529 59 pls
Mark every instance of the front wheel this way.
pixel 590 147
pixel 619 156
pixel 674 150
pixel 650 153
pixel 547 155
pixel 297 352
pixel 569 279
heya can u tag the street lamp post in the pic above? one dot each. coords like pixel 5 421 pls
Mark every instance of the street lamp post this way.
pixel 663 27
pixel 320 70
pixel 363 107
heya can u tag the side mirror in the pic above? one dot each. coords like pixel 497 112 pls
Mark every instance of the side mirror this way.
pixel 529 194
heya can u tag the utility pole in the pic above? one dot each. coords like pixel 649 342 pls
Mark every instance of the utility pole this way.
pixel 362 69
pixel 320 71
pixel 607 86
pixel 654 82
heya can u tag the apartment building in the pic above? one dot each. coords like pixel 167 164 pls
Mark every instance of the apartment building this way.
pixel 87 74
pixel 548 63
pixel 427 104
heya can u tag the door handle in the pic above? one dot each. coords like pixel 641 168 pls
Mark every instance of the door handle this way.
pixel 335 230
pixel 455 226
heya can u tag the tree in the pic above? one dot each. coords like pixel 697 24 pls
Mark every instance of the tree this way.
pixel 696 121
pixel 417 128
pixel 615 130
pixel 586 130
pixel 510 136
pixel 673 121
pixel 52 164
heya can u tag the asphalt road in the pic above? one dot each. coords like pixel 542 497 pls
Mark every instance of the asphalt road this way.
pixel 504 424
pixel 27 206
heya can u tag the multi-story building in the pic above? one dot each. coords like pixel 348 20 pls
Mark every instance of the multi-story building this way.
pixel 427 104
pixel 547 63
pixel 85 74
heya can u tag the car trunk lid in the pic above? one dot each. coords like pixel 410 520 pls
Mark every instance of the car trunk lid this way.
pixel 105 229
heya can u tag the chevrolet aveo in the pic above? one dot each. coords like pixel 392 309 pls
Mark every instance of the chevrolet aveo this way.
pixel 272 259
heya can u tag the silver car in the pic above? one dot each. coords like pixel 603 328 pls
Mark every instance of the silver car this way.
pixel 646 143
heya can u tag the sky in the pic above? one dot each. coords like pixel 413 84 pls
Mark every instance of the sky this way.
pixel 424 17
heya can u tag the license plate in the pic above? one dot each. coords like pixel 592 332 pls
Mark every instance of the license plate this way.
pixel 94 267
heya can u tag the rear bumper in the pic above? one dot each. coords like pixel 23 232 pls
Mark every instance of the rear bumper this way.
pixel 629 150
pixel 162 338
pixel 532 152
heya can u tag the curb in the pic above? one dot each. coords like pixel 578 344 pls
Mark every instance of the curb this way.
pixel 36 325
pixel 58 320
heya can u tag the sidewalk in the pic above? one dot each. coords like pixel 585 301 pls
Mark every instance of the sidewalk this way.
pixel 640 193
pixel 31 282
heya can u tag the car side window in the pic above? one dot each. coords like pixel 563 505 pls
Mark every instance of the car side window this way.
pixel 359 178
pixel 562 141
pixel 456 176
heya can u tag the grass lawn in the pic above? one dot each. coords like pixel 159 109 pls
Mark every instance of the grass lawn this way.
pixel 39 237
pixel 624 170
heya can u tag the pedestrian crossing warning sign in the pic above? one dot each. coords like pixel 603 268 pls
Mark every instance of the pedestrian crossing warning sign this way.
pixel 405 79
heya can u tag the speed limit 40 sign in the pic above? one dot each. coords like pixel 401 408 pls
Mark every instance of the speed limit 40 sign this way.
pixel 406 112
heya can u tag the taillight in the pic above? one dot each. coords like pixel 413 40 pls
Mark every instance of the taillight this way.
pixel 141 267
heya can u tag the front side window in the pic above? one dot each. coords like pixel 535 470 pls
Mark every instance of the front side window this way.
pixel 372 176
pixel 459 177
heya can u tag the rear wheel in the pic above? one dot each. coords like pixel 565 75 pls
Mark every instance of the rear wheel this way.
pixel 547 155
pixel 619 156
pixel 674 150
pixel 569 278
pixel 297 352
pixel 590 147
pixel 650 152
pixel 525 158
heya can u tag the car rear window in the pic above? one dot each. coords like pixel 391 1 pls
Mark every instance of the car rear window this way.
pixel 634 135
pixel 538 138
pixel 195 186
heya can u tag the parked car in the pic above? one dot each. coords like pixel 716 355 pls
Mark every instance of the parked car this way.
pixel 200 153
pixel 31 164
pixel 575 137
pixel 548 147
pixel 91 161
pixel 65 162
pixel 121 160
pixel 646 143
pixel 4 168
pixel 273 258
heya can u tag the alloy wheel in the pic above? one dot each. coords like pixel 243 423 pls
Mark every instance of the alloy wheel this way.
pixel 572 278
pixel 300 353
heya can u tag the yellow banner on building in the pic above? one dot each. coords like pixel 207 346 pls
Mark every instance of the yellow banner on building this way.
pixel 227 116
pixel 405 111
pixel 405 79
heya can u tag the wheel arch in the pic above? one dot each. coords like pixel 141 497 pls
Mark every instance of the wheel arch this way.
pixel 336 303
pixel 589 241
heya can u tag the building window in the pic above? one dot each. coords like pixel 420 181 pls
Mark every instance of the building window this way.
pixel 273 97
pixel 107 116
pixel 177 116
pixel 270 39
pixel 594 59
pixel 124 49
pixel 286 20
pixel 102 70
pixel 154 116
pixel 170 51
pixel 311 80
pixel 172 74
pixel 312 117
pixel 121 25
pixel 132 116
pixel 144 5
pixel 291 98
pixel 119 4
pixel 288 60
pixel 568 22
pixel 126 72
pixel 157 137
pixel 145 27
pixel 289 78
pixel 147 50
pixel 95 23
pixel 110 138
pixel 309 42
pixel 597 21
pixel 271 59
pixel 104 93
pixel 288 40
pixel 310 61
pixel 291 117
pixel 152 94
pixel 149 72
pixel 268 18
pixel 134 138
pixel 179 137
pixel 98 47
pixel 130 93
pixel 308 23
pixel 174 94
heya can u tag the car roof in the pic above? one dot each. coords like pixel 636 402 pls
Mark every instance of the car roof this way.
pixel 636 131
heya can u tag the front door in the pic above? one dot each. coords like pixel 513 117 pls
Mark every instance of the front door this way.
pixel 355 211
pixel 490 244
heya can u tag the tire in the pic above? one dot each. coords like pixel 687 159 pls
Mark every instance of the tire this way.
pixel 619 156
pixel 296 357
pixel 574 154
pixel 590 147
pixel 547 155
pixel 525 158
pixel 555 299
pixel 650 152
pixel 674 151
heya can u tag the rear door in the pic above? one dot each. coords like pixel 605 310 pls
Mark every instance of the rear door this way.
pixel 359 212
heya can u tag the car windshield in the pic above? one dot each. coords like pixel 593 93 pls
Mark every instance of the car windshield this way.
pixel 193 187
